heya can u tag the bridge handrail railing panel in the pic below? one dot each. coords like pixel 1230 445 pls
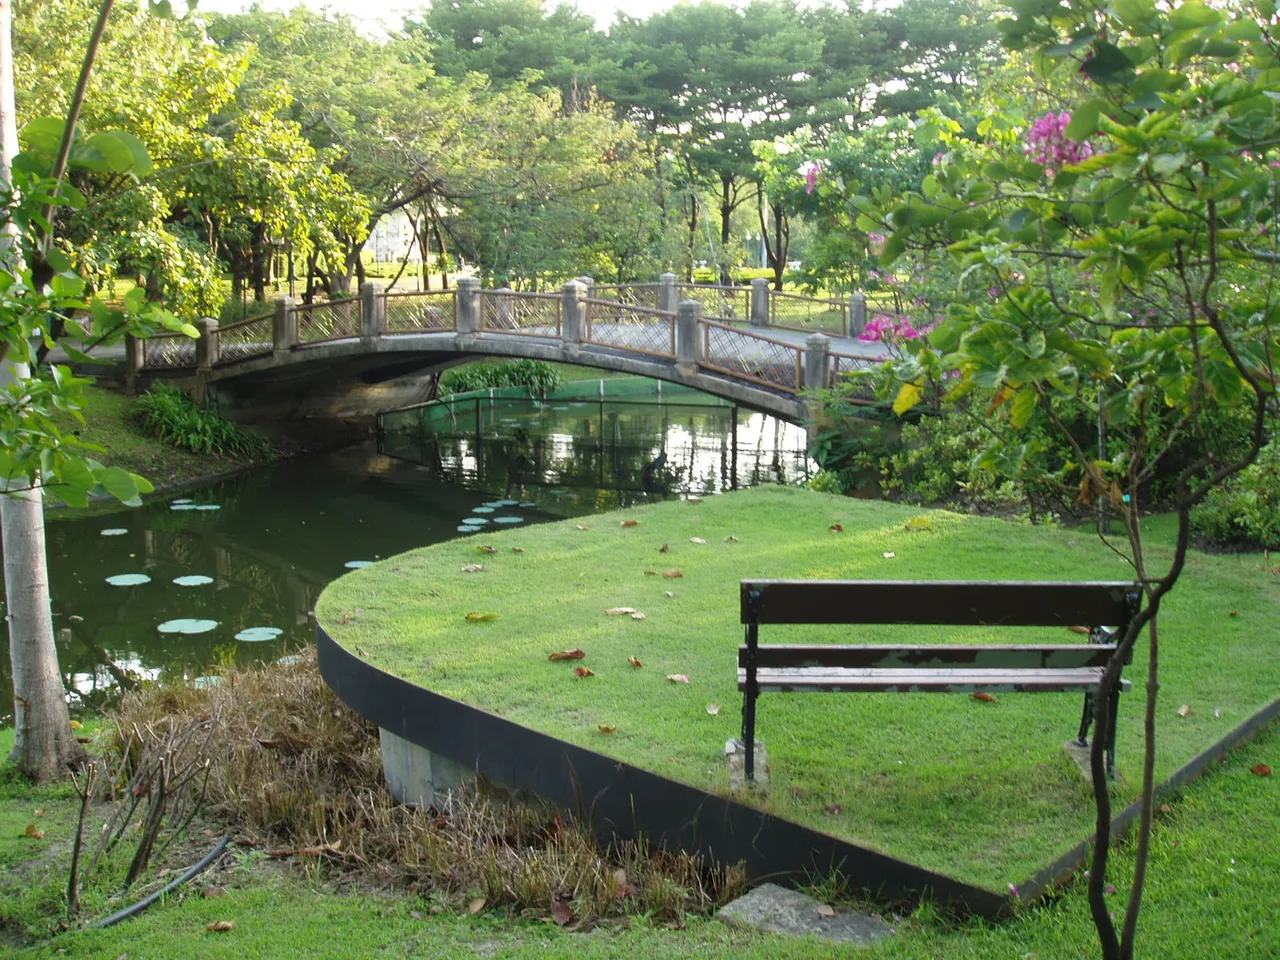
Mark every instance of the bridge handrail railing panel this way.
pixel 168 349
pixel 523 314
pixel 636 328
pixel 793 311
pixel 328 320
pixel 722 303
pixel 247 338
pixel 771 362
pixel 632 294
pixel 845 363
pixel 420 311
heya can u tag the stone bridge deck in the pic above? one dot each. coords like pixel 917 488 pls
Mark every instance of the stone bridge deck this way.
pixel 757 348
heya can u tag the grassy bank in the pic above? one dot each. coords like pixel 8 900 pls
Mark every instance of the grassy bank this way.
pixel 978 790
pixel 112 424
pixel 1212 882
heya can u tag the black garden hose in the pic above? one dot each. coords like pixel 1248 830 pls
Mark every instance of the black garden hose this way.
pixel 147 901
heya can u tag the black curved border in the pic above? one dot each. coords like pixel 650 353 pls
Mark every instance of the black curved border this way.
pixel 621 801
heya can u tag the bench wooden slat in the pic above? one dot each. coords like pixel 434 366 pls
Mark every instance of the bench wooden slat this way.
pixel 819 679
pixel 984 656
pixel 940 602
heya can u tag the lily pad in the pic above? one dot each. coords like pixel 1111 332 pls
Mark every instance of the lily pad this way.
pixel 187 625
pixel 181 500
pixel 508 519
pixel 476 521
pixel 258 634
pixel 208 506
pixel 114 532
pixel 204 683
pixel 527 506
pixel 357 564
pixel 505 503
pixel 194 580
pixel 128 579
pixel 465 528
pixel 183 506
pixel 483 510
pixel 290 660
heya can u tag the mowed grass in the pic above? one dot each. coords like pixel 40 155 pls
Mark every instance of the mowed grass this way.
pixel 978 790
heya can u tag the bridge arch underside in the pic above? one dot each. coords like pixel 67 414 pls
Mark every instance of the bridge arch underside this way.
pixel 356 379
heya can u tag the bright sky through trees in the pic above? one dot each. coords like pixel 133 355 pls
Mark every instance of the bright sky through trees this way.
pixel 390 12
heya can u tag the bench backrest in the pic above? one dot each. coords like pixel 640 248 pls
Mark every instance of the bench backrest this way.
pixel 952 657
pixel 1017 603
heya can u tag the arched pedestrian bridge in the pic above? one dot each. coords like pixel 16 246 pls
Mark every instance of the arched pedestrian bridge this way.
pixel 367 354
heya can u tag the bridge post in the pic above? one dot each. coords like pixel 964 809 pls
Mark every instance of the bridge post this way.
pixel 468 306
pixel 668 292
pixel 573 316
pixel 817 362
pixel 373 321
pixel 688 343
pixel 760 302
pixel 857 314
pixel 588 286
pixel 207 347
pixel 285 329
pixel 134 357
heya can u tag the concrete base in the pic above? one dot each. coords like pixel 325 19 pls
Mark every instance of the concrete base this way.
pixel 736 753
pixel 417 776
pixel 776 909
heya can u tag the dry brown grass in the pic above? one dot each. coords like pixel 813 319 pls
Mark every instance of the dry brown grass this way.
pixel 292 769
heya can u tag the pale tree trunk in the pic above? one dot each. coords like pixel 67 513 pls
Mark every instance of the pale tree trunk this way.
pixel 44 742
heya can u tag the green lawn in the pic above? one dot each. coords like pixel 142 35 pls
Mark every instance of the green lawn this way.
pixel 1212 883
pixel 981 791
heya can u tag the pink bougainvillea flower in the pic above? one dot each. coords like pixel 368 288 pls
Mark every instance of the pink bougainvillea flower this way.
pixel 811 176
pixel 1049 146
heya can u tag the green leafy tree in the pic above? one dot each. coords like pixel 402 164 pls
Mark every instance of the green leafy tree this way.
pixel 1130 251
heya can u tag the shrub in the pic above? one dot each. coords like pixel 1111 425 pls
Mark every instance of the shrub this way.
pixel 540 377
pixel 1246 511
pixel 169 415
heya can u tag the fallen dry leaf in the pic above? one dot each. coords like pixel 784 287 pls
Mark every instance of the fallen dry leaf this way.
pixel 1085 630
pixel 473 568
pixel 34 832
pixel 417 914
pixel 620 611
pixel 916 524
pixel 664 548
pixel 584 672
pixel 1184 710
pixel 306 851
pixel 583 526
pixel 629 523
pixel 485 548
pixel 836 528
pixel 677 678
pixel 672 574
pixel 221 926
pixel 696 540
pixel 637 616
pixel 1165 808
pixel 476 906
pixel 517 549
pixel 562 913
pixel 566 655
pixel 1261 769
pixel 713 708
pixel 651 573
pixel 210 892
pixel 671 593
pixel 731 539
pixel 694 499
pixel 603 728
pixel 984 696
pixel 1234 613
pixel 365 653
pixel 482 617
pixel 635 662
pixel 826 911
pixel 889 554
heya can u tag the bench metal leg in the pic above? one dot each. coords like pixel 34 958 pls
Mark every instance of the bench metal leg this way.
pixel 1086 718
pixel 1111 735
pixel 753 690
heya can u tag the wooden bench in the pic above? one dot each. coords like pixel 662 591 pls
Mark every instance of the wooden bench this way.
pixel 1106 608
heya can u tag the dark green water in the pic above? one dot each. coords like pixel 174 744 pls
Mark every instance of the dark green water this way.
pixel 280 534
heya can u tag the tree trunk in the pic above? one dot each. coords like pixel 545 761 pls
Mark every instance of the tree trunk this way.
pixel 726 213
pixel 693 237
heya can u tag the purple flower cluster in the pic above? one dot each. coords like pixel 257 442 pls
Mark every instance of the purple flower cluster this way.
pixel 1048 144
pixel 887 329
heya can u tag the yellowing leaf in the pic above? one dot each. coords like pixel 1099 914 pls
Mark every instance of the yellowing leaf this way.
pixel 482 617
pixel 916 524
pixel 907 398
pixel 620 611
pixel 1023 406
pixel 677 678
pixel 606 729
pixel 485 548
pixel 629 523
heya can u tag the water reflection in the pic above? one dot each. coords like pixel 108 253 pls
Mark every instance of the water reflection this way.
pixel 281 534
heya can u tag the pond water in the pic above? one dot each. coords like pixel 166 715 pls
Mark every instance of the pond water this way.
pixel 229 574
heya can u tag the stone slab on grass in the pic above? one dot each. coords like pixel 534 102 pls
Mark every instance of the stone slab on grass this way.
pixel 776 909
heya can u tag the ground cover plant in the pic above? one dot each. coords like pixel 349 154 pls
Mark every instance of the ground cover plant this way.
pixel 979 790
pixel 170 415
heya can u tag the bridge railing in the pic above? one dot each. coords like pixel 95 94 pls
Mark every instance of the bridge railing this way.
pixel 426 311
pixel 632 294
pixel 251 337
pixel 752 356
pixel 167 350
pixel 328 320
pixel 842 364
pixel 526 314
pixel 725 303
pixel 791 311
pixel 634 328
